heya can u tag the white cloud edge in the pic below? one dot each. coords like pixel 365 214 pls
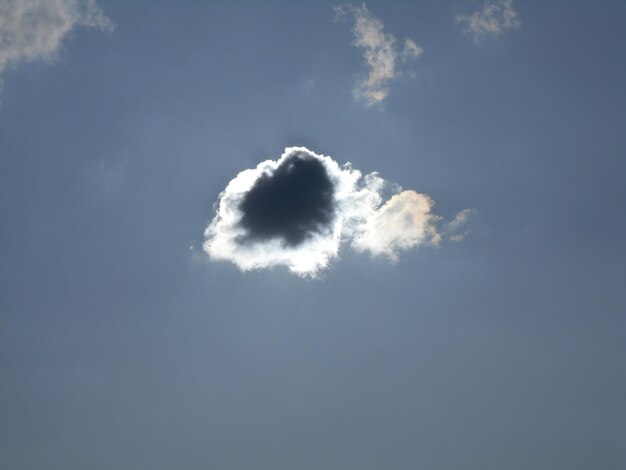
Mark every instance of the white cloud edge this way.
pixel 364 222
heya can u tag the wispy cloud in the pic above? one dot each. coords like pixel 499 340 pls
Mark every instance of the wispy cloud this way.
pixel 457 229
pixel 496 17
pixel 380 52
pixel 299 210
pixel 32 30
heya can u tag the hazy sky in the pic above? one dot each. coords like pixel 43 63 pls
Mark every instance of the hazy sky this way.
pixel 471 315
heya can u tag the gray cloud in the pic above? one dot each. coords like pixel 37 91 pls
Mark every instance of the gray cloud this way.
pixel 299 210
pixel 380 53
pixel 496 17
pixel 291 203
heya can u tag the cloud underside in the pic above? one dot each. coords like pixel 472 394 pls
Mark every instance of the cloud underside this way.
pixel 300 210
pixel 32 30
pixel 380 52
pixel 496 17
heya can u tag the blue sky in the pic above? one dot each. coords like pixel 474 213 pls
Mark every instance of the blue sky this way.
pixel 124 345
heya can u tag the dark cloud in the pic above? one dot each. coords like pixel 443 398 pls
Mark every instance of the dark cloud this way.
pixel 297 211
pixel 291 203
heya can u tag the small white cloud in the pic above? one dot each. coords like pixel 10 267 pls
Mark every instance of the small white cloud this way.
pixel 32 30
pixel 496 17
pixel 403 222
pixel 352 212
pixel 379 51
pixel 411 50
pixel 457 229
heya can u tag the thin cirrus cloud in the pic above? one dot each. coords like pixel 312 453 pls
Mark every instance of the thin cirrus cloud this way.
pixel 33 30
pixel 380 52
pixel 496 17
pixel 300 210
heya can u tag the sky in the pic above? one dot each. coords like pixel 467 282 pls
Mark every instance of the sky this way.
pixel 312 235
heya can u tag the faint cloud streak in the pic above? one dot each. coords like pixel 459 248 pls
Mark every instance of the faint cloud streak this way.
pixel 496 17
pixel 457 229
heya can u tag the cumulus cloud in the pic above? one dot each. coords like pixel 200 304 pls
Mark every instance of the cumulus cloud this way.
pixel 32 30
pixel 380 52
pixel 496 17
pixel 404 221
pixel 298 211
